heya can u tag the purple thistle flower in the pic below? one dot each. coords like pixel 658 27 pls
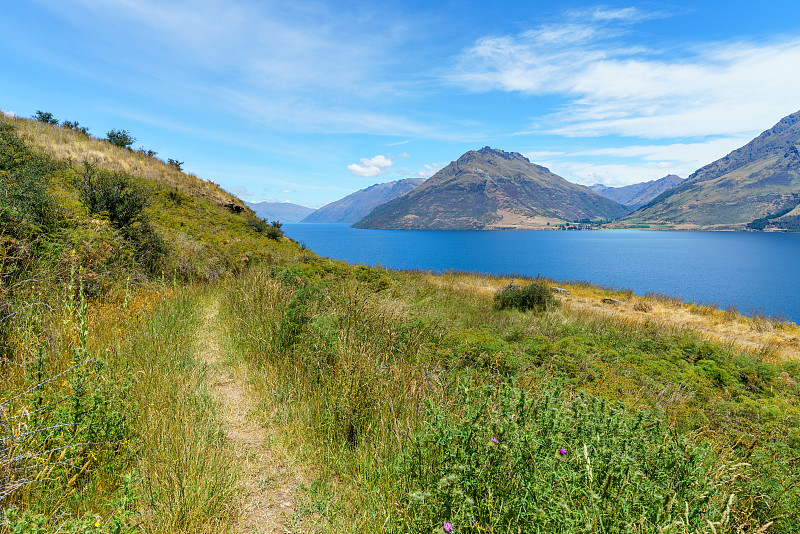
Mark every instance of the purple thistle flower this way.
pixel 495 440
pixel 448 526
pixel 562 451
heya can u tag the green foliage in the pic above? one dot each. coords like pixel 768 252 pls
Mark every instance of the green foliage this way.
pixel 118 197
pixel 270 230
pixel 535 296
pixel 45 117
pixel 147 152
pixel 73 125
pixel 511 463
pixel 175 163
pixel 120 138
pixel 26 205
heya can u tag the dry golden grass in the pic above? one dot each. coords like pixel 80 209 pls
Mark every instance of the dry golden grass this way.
pixel 69 145
pixel 776 340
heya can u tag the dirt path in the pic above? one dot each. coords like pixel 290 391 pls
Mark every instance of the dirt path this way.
pixel 267 487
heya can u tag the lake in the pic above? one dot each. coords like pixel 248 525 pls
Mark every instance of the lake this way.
pixel 754 272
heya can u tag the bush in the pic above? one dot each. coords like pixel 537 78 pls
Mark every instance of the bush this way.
pixel 73 125
pixel 118 197
pixel 271 230
pixel 120 138
pixel 534 296
pixel 45 117
pixel 175 163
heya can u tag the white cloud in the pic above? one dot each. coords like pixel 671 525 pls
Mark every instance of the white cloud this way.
pixel 721 88
pixel 8 113
pixel 404 155
pixel 288 191
pixel 370 167
pixel 429 169
pixel 618 166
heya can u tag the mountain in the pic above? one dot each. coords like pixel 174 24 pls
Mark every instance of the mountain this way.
pixel 492 189
pixel 757 184
pixel 279 211
pixel 637 195
pixel 358 205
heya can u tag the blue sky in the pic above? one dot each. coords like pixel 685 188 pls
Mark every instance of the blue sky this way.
pixel 309 101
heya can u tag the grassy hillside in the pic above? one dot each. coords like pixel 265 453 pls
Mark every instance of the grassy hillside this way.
pixel 385 401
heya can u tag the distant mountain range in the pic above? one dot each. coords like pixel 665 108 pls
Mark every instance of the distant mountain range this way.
pixel 279 211
pixel 637 195
pixel 358 205
pixel 492 189
pixel 756 186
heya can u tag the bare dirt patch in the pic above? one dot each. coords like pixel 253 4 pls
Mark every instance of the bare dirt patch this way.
pixel 267 484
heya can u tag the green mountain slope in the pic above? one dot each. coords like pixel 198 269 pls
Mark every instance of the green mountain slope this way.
pixel 760 180
pixel 358 205
pixel 492 189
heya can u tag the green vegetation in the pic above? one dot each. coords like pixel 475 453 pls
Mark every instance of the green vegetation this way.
pixel 120 138
pixel 534 296
pixel 421 403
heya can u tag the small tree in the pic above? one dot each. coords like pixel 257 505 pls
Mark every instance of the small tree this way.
pixel 120 138
pixel 175 163
pixel 45 116
pixel 73 125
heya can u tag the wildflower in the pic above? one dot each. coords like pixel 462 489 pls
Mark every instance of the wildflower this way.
pixel 495 440
pixel 448 526
pixel 562 451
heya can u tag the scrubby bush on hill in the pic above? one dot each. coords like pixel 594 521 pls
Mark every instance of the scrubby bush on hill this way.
pixel 45 116
pixel 120 138
pixel 118 196
pixel 535 296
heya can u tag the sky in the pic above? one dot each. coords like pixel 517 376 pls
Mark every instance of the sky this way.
pixel 307 102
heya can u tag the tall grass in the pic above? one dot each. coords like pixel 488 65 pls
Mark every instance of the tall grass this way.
pixel 348 366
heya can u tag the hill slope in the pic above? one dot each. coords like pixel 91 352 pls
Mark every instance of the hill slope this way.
pixel 358 205
pixel 120 214
pixel 280 211
pixel 492 189
pixel 760 180
pixel 635 196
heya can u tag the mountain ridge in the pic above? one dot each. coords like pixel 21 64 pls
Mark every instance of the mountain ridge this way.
pixel 635 196
pixel 759 180
pixel 356 206
pixel 492 189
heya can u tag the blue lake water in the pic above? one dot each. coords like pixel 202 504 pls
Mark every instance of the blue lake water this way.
pixel 755 272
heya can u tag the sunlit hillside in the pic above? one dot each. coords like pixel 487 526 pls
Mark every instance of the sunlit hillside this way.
pixel 172 364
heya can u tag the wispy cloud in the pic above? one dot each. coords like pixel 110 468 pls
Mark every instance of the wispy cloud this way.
pixel 617 166
pixel 720 88
pixel 370 167
pixel 428 170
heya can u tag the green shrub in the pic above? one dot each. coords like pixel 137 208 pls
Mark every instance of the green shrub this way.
pixel 271 230
pixel 175 163
pixel 120 138
pixel 45 117
pixel 534 296
pixel 117 196
pixel 73 125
